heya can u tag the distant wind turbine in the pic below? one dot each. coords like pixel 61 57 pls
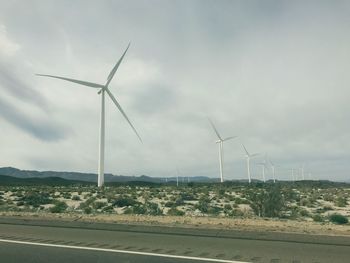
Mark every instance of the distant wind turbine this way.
pixel 177 177
pixel 220 141
pixel 302 172
pixel 273 171
pixel 248 156
pixel 263 164
pixel 102 89
pixel 293 177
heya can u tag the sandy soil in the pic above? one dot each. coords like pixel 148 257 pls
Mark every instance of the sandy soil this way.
pixel 269 225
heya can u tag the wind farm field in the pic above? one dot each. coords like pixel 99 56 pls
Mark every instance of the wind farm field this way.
pixel 314 207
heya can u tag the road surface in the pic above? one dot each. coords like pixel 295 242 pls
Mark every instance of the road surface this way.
pixel 49 241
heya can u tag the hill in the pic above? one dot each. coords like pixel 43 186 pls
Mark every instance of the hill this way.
pixel 52 181
pixel 91 177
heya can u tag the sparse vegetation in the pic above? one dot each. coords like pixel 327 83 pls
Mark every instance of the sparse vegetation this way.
pixel 310 201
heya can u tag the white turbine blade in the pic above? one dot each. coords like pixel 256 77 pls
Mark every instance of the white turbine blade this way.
pixel 81 82
pixel 254 154
pixel 122 112
pixel 229 138
pixel 217 133
pixel 245 150
pixel 114 70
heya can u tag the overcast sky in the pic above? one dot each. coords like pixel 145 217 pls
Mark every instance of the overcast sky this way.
pixel 275 73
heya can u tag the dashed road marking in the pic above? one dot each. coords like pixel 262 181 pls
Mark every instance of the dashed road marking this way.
pixel 120 251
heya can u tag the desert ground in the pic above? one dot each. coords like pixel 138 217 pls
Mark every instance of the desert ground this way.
pixel 302 207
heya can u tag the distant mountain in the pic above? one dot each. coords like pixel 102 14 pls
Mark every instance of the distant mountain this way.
pixel 91 177
pixel 56 181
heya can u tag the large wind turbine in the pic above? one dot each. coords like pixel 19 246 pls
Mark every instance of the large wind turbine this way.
pixel 248 156
pixel 221 141
pixel 102 89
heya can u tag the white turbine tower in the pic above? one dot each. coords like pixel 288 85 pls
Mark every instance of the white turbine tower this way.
pixel 102 89
pixel 302 172
pixel 273 171
pixel 263 164
pixel 177 177
pixel 248 156
pixel 221 141
pixel 293 177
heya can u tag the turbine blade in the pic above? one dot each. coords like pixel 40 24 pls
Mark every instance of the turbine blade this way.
pixel 114 70
pixel 254 154
pixel 217 133
pixel 246 150
pixel 81 82
pixel 122 112
pixel 229 138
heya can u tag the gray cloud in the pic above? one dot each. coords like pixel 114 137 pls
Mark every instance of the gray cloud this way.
pixel 272 72
pixel 42 129
pixel 13 84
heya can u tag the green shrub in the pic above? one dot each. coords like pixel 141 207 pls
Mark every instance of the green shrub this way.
pixel 169 204
pixel 203 204
pixel 267 203
pixel 36 199
pixel 59 207
pixel 87 210
pixel 139 209
pixel 20 203
pixel 122 201
pixel 317 218
pixel 153 209
pixel 304 212
pixel 98 204
pixel 341 201
pixel 214 210
pixel 338 219
pixel 175 212
pixel 237 212
pixel 327 208
pixel 66 195
pixel 76 198
pixel 107 209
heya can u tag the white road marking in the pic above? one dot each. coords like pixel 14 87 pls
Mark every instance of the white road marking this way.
pixel 120 251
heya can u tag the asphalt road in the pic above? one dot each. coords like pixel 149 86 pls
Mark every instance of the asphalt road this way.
pixel 40 241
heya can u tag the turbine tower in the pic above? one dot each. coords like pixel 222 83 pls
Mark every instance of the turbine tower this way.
pixel 177 177
pixel 102 89
pixel 248 156
pixel 293 177
pixel 220 141
pixel 302 172
pixel 263 164
pixel 273 171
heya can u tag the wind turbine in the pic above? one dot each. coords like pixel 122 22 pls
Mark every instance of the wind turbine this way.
pixel 248 156
pixel 177 177
pixel 293 178
pixel 302 172
pixel 220 141
pixel 263 164
pixel 273 171
pixel 102 89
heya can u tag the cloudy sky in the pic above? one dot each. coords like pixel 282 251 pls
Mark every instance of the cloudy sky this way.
pixel 275 73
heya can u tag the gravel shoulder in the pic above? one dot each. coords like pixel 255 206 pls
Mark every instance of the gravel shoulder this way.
pixel 214 223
